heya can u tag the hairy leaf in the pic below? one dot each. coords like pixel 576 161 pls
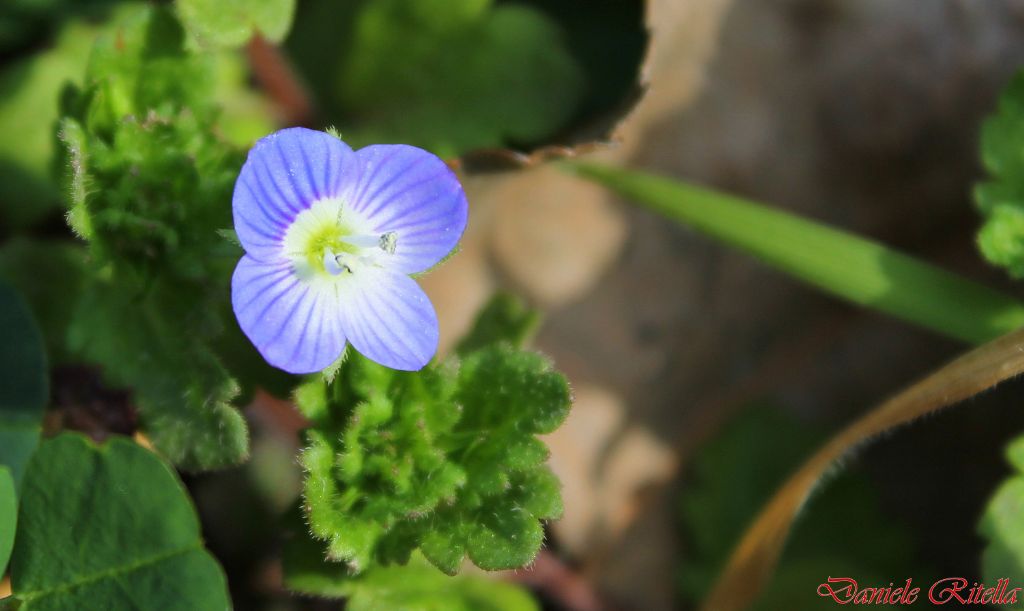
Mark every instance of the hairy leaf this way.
pixel 445 460
pixel 182 391
pixel 122 534
pixel 416 586
pixel 149 187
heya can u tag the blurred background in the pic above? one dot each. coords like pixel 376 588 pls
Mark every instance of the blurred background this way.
pixel 701 377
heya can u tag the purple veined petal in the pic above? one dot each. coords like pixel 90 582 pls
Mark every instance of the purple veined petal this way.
pixel 293 323
pixel 284 174
pixel 413 193
pixel 388 318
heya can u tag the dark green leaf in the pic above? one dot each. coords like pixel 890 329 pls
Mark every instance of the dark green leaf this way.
pixel 120 534
pixel 449 76
pixel 24 382
pixel 8 516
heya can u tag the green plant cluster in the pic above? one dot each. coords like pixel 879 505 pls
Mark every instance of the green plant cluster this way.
pixel 147 181
pixel 1000 199
pixel 146 116
pixel 445 460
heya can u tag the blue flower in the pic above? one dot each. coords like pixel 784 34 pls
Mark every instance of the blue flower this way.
pixel 331 236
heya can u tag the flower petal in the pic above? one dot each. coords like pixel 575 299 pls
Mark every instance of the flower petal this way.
pixel 294 324
pixel 284 174
pixel 388 318
pixel 416 195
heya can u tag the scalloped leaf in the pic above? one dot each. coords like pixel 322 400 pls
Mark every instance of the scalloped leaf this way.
pixel 231 23
pixel 445 460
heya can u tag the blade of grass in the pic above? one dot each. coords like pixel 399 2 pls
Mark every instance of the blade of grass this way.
pixel 859 270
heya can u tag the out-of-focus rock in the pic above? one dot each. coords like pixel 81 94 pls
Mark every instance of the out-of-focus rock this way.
pixel 553 235
pixel 604 465
pixel 576 451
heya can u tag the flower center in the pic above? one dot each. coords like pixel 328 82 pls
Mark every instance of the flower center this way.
pixel 328 240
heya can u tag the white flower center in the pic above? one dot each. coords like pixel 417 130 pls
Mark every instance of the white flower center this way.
pixel 328 239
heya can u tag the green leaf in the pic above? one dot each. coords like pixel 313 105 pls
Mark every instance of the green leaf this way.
pixel 445 460
pixel 416 586
pixel 1000 524
pixel 446 75
pixel 842 264
pixel 123 534
pixel 8 516
pixel 24 383
pixel 1000 199
pixel 420 587
pixel 231 23
pixel 505 318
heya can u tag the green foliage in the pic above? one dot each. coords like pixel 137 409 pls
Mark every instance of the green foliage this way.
pixel 8 516
pixel 28 111
pixel 1000 524
pixel 149 184
pixel 447 75
pixel 24 383
pixel 1001 198
pixel 734 476
pixel 417 586
pixel 231 23
pixel 445 460
pixel 49 274
pixel 505 318
pixel 28 23
pixel 109 527
pixel 840 263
